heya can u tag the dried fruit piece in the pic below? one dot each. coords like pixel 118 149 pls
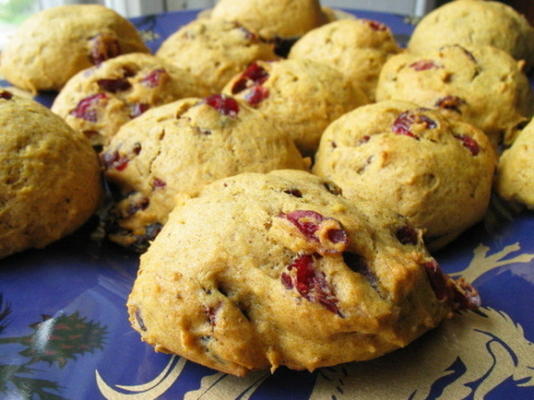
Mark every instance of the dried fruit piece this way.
pixel 310 283
pixel 423 65
pixel 469 143
pixel 211 313
pixel 256 95
pixel 114 85
pixel 114 160
pixel 4 94
pixel 450 103
pixel 377 26
pixel 294 192
pixel 224 104
pixel 137 109
pixel 154 78
pixel 102 47
pixel 158 184
pixel 254 75
pixel 407 235
pixel 87 107
pixel 403 123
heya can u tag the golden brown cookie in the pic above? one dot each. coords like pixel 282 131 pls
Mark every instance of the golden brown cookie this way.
pixel 484 85
pixel 173 151
pixel 475 23
pixel 300 97
pixel 49 176
pixel 356 47
pixel 53 45
pixel 214 50
pixel 433 169
pixel 272 19
pixel 97 101
pixel 269 270
pixel 515 175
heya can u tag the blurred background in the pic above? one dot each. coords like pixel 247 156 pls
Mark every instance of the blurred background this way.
pixel 13 12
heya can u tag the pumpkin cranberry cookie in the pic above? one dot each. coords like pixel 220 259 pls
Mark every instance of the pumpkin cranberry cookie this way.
pixel 272 19
pixel 214 50
pixel 49 176
pixel 268 270
pixel 53 45
pixel 172 151
pixel 300 97
pixel 484 85
pixel 356 47
pixel 515 175
pixel 97 101
pixel 475 23
pixel 422 164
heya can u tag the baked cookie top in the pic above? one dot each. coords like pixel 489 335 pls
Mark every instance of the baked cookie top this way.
pixel 420 163
pixel 272 19
pixel 515 175
pixel 98 100
pixel 300 97
pixel 356 47
pixel 49 176
pixel 54 44
pixel 173 151
pixel 264 270
pixel 484 85
pixel 475 23
pixel 214 50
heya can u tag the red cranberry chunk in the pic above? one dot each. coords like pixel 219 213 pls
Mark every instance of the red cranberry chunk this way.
pixel 87 107
pixel 306 221
pixel 158 184
pixel 465 296
pixel 114 160
pixel 103 47
pixel 437 279
pixel 423 65
pixel 137 109
pixel 403 123
pixel 4 94
pixel 256 95
pixel 469 143
pixel 254 75
pixel 450 103
pixel 224 104
pixel 406 235
pixel 377 26
pixel 154 78
pixel 114 85
pixel 286 280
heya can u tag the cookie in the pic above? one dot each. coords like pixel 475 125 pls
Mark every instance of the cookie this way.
pixel 54 44
pixel 49 176
pixel 171 152
pixel 279 19
pixel 98 100
pixel 356 47
pixel 214 50
pixel 515 174
pixel 475 23
pixel 300 97
pixel 484 85
pixel 417 162
pixel 269 270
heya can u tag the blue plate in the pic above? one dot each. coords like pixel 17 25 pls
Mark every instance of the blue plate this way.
pixel 64 332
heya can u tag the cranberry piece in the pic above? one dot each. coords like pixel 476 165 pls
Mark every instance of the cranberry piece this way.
pixel 254 75
pixel 423 65
pixel 224 104
pixel 4 94
pixel 310 283
pixel 306 221
pixel 465 296
pixel 103 47
pixel 256 95
pixel 114 160
pixel 377 26
pixel 364 139
pixel 114 85
pixel 87 107
pixel 406 235
pixel 406 119
pixel 437 279
pixel 137 109
pixel 158 184
pixel 294 192
pixel 154 78
pixel 469 143
pixel 450 103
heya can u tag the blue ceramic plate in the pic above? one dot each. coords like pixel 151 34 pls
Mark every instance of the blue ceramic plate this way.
pixel 64 332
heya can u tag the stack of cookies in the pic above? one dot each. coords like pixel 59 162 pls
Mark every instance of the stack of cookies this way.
pixel 285 198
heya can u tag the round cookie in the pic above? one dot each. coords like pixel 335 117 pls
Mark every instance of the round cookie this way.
pixel 214 50
pixel 265 270
pixel 475 23
pixel 97 101
pixel 300 97
pixel 356 47
pixel 484 85
pixel 417 162
pixel 515 174
pixel 53 45
pixel 49 176
pixel 278 19
pixel 171 152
